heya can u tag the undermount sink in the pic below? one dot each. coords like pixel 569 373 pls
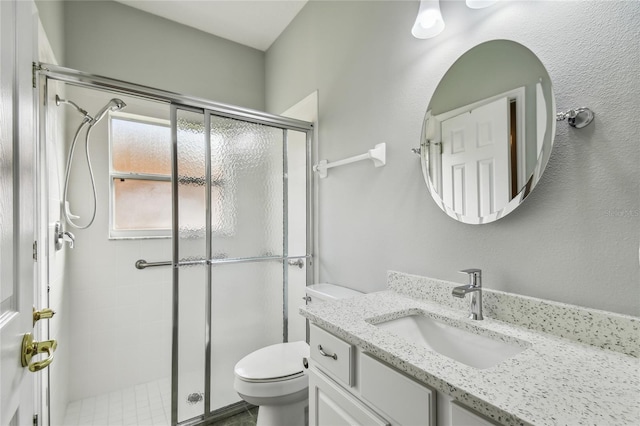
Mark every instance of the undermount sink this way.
pixel 469 348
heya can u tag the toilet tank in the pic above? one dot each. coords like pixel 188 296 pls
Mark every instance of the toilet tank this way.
pixel 326 291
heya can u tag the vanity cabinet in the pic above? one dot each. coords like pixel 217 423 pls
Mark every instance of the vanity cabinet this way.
pixel 350 387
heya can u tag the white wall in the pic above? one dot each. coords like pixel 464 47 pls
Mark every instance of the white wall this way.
pixel 575 240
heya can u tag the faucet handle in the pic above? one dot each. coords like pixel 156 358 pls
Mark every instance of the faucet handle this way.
pixel 475 276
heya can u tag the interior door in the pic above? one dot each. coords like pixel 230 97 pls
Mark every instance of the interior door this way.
pixel 17 185
pixel 475 159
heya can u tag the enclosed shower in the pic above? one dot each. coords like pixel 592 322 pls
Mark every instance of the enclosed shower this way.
pixel 198 253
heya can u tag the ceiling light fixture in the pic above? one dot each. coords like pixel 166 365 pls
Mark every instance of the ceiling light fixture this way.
pixel 429 22
pixel 480 4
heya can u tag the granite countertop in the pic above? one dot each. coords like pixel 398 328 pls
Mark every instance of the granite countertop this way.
pixel 554 381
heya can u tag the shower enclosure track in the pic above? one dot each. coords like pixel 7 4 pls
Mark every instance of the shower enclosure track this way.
pixel 83 79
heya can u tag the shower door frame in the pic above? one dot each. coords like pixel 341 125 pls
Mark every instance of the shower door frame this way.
pixel 178 101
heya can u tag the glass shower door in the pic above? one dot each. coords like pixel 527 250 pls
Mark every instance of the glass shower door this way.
pixel 190 279
pixel 247 229
pixel 231 245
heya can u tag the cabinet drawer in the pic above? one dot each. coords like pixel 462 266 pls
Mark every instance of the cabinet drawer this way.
pixel 403 400
pixel 332 354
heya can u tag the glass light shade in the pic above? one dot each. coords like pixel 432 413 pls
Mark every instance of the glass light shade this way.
pixel 429 22
pixel 480 4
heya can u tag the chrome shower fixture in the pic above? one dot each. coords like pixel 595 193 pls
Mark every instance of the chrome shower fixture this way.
pixel 114 104
pixel 60 101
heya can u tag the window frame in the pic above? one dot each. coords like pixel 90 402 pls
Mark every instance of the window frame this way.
pixel 117 234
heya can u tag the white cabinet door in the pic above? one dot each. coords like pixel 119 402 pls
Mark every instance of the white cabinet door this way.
pixel 461 416
pixel 16 209
pixel 330 405
pixel 400 399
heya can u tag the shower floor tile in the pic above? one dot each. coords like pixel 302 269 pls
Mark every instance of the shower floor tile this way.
pixel 148 404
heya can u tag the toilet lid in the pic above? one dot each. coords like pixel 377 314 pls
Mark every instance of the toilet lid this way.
pixel 280 361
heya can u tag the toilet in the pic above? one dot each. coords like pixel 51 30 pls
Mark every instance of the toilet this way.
pixel 275 378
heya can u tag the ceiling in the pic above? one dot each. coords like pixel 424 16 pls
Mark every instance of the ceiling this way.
pixel 254 23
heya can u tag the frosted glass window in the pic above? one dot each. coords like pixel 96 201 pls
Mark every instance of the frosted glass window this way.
pixel 140 176
pixel 140 147
pixel 146 204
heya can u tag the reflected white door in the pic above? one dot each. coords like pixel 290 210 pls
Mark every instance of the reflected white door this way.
pixel 475 159
pixel 16 209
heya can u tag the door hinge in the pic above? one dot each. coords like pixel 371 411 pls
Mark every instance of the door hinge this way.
pixel 35 420
pixel 34 71
pixel 35 251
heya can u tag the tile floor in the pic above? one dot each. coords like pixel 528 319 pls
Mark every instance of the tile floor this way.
pixel 142 405
pixel 148 404
pixel 246 418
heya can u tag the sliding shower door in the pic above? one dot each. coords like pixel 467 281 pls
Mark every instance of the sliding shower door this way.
pixel 231 248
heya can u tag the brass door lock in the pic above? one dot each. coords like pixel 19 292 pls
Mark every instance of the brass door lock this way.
pixel 42 314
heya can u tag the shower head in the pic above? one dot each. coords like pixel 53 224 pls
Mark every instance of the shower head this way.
pixel 60 101
pixel 113 105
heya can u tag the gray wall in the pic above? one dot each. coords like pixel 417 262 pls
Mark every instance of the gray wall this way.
pixel 114 40
pixel 574 240
pixel 52 17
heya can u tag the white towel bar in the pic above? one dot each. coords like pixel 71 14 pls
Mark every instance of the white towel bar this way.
pixel 378 155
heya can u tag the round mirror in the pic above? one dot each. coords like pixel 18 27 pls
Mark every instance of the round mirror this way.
pixel 488 132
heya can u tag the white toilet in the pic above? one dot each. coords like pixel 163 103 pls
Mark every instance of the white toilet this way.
pixel 275 378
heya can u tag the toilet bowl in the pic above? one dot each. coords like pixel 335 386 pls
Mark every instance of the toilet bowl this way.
pixel 275 377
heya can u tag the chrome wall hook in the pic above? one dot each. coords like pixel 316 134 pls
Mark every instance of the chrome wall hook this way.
pixel 60 237
pixel 578 117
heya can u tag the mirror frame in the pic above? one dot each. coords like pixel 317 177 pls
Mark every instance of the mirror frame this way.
pixel 530 182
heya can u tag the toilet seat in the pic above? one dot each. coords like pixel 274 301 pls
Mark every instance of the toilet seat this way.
pixel 275 363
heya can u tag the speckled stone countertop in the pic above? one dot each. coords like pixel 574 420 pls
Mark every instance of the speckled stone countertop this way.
pixel 554 381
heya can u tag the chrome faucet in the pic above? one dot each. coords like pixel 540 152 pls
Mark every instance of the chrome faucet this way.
pixel 475 288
